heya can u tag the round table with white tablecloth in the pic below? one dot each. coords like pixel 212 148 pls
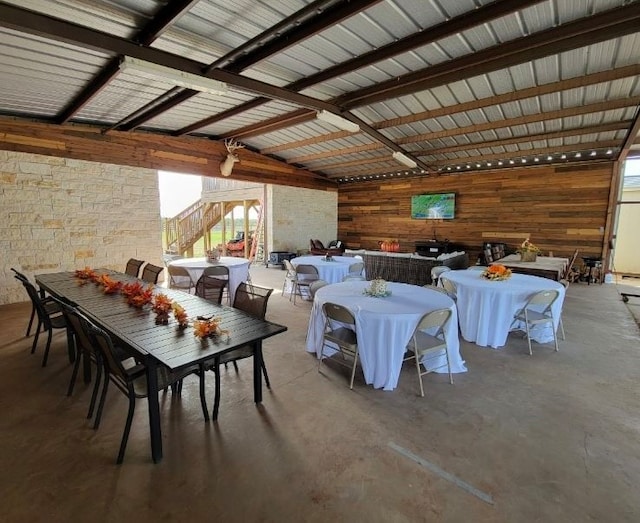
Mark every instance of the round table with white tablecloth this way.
pixel 330 271
pixel 384 326
pixel 486 307
pixel 238 269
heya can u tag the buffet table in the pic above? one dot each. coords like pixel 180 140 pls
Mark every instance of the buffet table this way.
pixel 486 308
pixel 384 326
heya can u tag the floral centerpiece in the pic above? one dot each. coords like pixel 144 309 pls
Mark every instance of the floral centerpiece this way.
pixel 161 306
pixel 377 288
pixel 496 272
pixel 109 285
pixel 208 327
pixel 180 315
pixel 86 275
pixel 136 295
pixel 528 251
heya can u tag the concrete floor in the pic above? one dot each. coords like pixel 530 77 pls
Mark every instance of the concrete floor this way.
pixel 552 437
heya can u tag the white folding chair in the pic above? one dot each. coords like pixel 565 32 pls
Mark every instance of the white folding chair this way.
pixel 538 311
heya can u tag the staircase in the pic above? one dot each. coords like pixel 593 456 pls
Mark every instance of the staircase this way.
pixel 183 230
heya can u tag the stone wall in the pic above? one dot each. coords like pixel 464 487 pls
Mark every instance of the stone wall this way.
pixel 297 215
pixel 60 214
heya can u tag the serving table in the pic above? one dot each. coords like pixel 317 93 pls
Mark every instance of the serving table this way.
pixel 238 269
pixel 135 330
pixel 486 307
pixel 384 326
pixel 545 266
pixel 330 271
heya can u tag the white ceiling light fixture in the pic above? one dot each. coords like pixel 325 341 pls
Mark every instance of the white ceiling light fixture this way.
pixel 173 76
pixel 404 159
pixel 337 121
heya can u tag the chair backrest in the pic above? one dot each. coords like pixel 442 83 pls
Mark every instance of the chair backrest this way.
pixel 437 271
pixel 318 284
pixel 339 313
pixel 309 270
pixel 546 298
pixel 291 270
pixel 435 319
pixel 476 268
pixel 19 275
pixel 102 342
pixel 354 277
pixel 178 275
pixel 133 267
pixel 151 273
pixel 448 285
pixel 73 317
pixel 43 315
pixel 252 299
pixel 217 271
pixel 356 268
pixel 211 288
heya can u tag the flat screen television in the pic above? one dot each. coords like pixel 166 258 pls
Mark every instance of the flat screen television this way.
pixel 440 206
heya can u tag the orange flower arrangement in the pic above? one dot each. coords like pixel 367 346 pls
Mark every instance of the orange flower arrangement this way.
pixel 161 306
pixel 86 275
pixel 180 315
pixel 208 327
pixel 109 285
pixel 131 289
pixel 496 272
pixel 141 298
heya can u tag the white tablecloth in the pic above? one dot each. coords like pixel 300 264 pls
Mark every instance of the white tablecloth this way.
pixel 238 270
pixel 329 271
pixel 486 308
pixel 384 326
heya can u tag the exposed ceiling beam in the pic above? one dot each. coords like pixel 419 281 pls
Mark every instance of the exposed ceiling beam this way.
pixel 583 32
pixel 577 131
pixel 630 139
pixel 530 92
pixel 34 23
pixel 154 28
pixel 565 149
pixel 302 24
pixel 465 21
pixel 523 120
pixel 514 96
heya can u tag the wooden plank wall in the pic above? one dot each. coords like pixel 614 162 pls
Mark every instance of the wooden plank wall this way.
pixel 561 208
pixel 190 155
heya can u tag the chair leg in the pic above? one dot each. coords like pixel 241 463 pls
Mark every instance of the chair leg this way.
pixel 33 315
pixel 446 352
pixel 127 429
pixel 529 338
pixel 96 387
pixel 562 328
pixel 46 349
pixel 353 371
pixel 35 338
pixel 203 398
pixel 266 376
pixel 103 397
pixel 74 375
pixel 555 336
pixel 235 365
pixel 419 374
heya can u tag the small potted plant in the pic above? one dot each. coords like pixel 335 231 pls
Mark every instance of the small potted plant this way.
pixel 528 251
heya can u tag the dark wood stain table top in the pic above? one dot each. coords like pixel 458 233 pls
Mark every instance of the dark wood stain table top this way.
pixel 136 328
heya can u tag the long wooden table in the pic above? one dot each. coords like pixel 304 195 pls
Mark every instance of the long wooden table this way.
pixel 136 330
